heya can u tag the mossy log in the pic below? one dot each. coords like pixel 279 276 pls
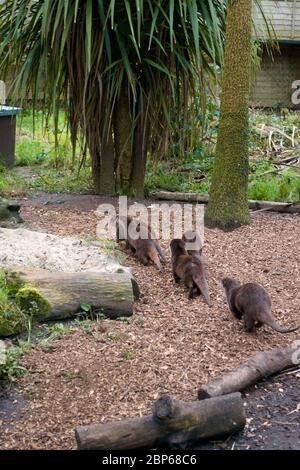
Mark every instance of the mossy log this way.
pixel 290 207
pixel 9 214
pixel 172 422
pixel 113 293
pixel 254 369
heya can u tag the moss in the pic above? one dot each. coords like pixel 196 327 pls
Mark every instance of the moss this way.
pixel 18 302
pixel 30 300
pixel 13 284
pixel 12 321
pixel 228 205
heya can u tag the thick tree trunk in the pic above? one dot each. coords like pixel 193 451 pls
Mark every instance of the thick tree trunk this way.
pixel 123 142
pixel 113 293
pixel 257 367
pixel 173 422
pixel 228 205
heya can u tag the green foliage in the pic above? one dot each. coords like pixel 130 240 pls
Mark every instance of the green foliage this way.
pixel 20 306
pixel 284 188
pixel 10 183
pixel 12 319
pixel 86 307
pixel 55 181
pixel 85 54
pixel 51 333
pixel 12 369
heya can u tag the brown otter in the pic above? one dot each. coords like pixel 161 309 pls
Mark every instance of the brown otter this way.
pixel 189 269
pixel 252 302
pixel 145 249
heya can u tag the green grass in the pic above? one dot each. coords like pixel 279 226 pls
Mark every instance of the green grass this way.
pixel 51 333
pixel 62 181
pixel 128 355
pixel 11 185
pixel 284 189
pixel 36 143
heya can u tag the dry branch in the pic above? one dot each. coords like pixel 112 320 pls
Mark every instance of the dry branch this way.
pixel 254 369
pixel 172 422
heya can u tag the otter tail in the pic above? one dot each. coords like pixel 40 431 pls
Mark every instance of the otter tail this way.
pixel 273 324
pixel 153 255
pixel 201 283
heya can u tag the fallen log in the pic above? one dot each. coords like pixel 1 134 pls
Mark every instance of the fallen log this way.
pixel 112 293
pixel 254 369
pixel 172 422
pixel 289 207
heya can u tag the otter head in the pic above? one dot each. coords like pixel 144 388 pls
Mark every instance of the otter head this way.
pixel 229 283
pixel 177 246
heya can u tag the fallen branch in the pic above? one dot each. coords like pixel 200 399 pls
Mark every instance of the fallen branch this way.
pixel 172 422
pixel 290 207
pixel 256 368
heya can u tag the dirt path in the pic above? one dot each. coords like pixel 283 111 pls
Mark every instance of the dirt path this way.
pixel 171 345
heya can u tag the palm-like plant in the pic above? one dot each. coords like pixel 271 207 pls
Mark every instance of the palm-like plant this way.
pixel 121 69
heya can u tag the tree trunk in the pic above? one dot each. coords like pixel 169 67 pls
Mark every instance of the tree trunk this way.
pixel 228 205
pixel 173 422
pixel 96 169
pixel 123 142
pixel 257 367
pixel 141 137
pixel 113 293
pixel 107 179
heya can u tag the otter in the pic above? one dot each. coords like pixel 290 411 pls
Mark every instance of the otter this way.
pixel 252 302
pixel 190 270
pixel 145 249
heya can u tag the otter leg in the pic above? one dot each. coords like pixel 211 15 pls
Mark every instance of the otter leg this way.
pixel 143 258
pixel 249 324
pixel 258 324
pixel 235 311
pixel 176 278
pixel 189 283
pixel 194 291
